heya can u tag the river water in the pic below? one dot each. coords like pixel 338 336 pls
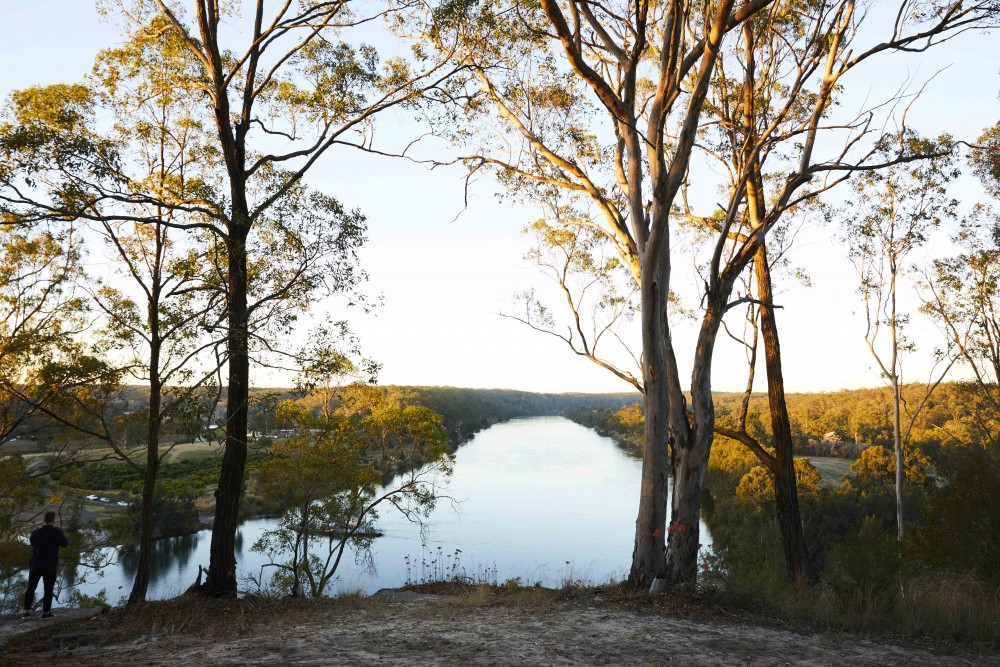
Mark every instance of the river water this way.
pixel 541 499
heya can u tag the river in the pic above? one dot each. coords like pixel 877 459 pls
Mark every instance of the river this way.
pixel 541 499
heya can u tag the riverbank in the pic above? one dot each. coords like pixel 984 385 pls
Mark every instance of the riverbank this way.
pixel 466 626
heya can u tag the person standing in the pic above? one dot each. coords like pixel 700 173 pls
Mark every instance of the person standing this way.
pixel 45 543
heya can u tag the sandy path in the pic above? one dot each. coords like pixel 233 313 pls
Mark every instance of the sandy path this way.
pixel 408 629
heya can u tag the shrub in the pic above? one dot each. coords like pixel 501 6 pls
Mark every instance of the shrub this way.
pixel 959 528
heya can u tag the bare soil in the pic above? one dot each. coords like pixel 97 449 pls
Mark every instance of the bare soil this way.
pixel 476 627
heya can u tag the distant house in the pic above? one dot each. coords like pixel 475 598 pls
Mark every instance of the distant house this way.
pixel 831 437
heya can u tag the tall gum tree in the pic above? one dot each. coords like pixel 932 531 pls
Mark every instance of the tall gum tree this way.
pixel 603 103
pixel 279 87
pixel 42 314
pixel 155 329
pixel 281 94
pixel 162 321
pixel 962 293
pixel 266 115
pixel 897 208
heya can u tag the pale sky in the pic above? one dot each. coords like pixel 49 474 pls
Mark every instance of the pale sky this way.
pixel 445 280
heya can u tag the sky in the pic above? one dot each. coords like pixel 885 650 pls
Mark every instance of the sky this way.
pixel 446 271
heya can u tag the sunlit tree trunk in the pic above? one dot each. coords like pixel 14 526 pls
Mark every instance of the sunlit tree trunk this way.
pixel 648 562
pixel 897 440
pixel 692 437
pixel 786 496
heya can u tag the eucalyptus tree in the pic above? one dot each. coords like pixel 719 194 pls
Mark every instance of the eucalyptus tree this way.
pixel 75 175
pixel 44 364
pixel 751 120
pixel 274 93
pixel 602 103
pixel 330 479
pixel 599 293
pixel 280 95
pixel 779 462
pixel 984 158
pixel 160 336
pixel 158 303
pixel 42 314
pixel 898 207
pixel 963 292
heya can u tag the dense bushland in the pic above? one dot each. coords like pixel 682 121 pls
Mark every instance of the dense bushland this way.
pixel 940 581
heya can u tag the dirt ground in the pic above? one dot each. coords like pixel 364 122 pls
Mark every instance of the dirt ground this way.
pixel 408 628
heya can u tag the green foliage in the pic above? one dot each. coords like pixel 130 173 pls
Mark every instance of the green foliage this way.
pixel 80 600
pixel 466 411
pixel 625 426
pixel 867 561
pixel 19 490
pixel 329 477
pixel 940 581
pixel 20 493
pixel 963 297
pixel 40 315
pixel 985 159
pixel 174 513
pixel 959 529
pixel 757 485
pixel 898 206
pixel 190 475
pixel 631 417
pixel 730 456
pixel 47 126
pixel 876 468
pixel 953 416
pixel 98 476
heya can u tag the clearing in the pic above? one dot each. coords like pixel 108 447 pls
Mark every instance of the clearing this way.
pixel 479 626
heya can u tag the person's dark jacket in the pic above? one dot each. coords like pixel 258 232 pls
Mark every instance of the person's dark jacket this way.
pixel 45 543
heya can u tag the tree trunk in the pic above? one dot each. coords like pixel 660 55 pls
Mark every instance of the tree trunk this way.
pixel 147 514
pixel 897 441
pixel 692 445
pixel 898 452
pixel 650 527
pixel 786 496
pixel 221 580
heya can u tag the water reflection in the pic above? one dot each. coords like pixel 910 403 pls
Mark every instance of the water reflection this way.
pixel 173 553
pixel 541 499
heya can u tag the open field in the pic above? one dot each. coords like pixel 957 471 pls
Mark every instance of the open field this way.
pixel 831 468
pixel 193 450
pixel 174 452
pixel 20 446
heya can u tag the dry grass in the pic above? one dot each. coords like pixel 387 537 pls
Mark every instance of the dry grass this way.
pixel 185 617
pixel 943 610
pixel 510 594
pixel 206 617
pixel 951 608
pixel 955 614
pixel 831 468
pixel 466 616
pixel 698 604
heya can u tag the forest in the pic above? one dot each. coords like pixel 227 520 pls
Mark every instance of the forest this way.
pixel 164 244
pixel 858 573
